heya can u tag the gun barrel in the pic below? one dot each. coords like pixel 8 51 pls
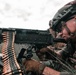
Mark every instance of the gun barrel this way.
pixel 59 40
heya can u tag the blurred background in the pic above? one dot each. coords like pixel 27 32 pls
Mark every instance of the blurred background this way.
pixel 28 14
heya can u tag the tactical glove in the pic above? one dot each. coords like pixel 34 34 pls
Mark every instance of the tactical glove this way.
pixel 33 66
pixel 44 54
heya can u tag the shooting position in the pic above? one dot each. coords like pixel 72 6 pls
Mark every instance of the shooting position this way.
pixel 64 22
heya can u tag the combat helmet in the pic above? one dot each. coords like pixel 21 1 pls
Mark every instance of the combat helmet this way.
pixel 64 14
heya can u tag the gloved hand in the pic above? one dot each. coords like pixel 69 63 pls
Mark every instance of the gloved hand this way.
pixel 59 46
pixel 33 66
pixel 44 54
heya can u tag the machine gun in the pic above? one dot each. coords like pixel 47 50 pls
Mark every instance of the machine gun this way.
pixel 37 37
pixel 9 36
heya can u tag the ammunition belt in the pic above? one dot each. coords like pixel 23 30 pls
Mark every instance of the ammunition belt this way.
pixel 10 64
